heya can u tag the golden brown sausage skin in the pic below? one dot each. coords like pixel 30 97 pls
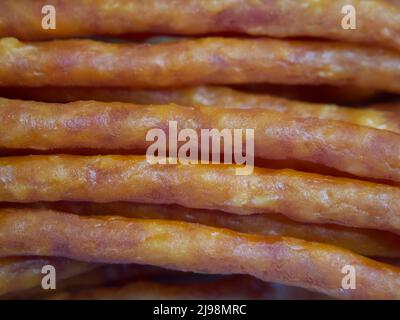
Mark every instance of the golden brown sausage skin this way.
pixel 367 242
pixel 377 21
pixel 192 247
pixel 358 150
pixel 301 196
pixel 196 62
pixel 216 96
